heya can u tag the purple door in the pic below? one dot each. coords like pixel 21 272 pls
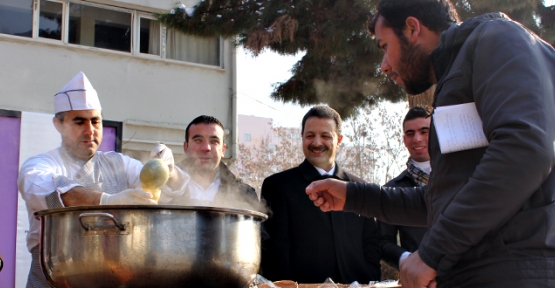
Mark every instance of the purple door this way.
pixel 10 125
pixel 9 158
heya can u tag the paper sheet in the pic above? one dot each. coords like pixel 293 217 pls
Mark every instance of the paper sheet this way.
pixel 459 127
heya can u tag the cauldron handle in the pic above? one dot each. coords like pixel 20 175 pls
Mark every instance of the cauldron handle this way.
pixel 100 214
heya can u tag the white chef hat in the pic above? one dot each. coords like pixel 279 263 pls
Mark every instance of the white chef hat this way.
pixel 78 94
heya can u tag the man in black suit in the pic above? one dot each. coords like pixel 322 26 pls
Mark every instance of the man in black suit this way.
pixel 305 244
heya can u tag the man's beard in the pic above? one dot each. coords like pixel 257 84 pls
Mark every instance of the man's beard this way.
pixel 415 67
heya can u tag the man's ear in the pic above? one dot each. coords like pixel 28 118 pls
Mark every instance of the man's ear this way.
pixel 412 29
pixel 58 124
pixel 184 146
pixel 224 147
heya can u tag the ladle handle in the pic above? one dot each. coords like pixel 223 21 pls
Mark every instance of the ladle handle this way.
pixel 99 214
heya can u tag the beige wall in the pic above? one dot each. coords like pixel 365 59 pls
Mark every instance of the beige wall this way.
pixel 154 98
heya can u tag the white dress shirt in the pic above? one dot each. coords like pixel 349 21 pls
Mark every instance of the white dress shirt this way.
pixel 324 172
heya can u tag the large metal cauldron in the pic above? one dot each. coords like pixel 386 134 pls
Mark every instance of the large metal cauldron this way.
pixel 149 246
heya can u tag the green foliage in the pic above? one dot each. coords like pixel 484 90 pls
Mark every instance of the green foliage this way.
pixel 341 64
pixel 531 13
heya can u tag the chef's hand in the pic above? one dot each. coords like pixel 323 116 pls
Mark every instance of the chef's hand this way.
pixel 127 197
pixel 415 273
pixel 164 153
pixel 328 194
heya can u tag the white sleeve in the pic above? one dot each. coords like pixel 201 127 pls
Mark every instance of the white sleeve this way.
pixel 404 256
pixel 36 181
pixel 133 169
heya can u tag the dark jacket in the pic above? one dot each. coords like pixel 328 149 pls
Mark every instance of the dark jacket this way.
pixel 232 193
pixel 409 236
pixel 491 211
pixel 307 245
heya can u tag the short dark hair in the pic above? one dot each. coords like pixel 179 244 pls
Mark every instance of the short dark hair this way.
pixel 416 112
pixel 203 119
pixel 325 112
pixel 436 15
pixel 61 116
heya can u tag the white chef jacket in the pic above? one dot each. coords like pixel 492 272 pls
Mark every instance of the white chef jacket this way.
pixel 55 170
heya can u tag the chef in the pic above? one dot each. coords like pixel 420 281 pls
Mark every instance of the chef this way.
pixel 76 173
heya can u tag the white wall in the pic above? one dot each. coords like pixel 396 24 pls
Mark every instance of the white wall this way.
pixel 151 92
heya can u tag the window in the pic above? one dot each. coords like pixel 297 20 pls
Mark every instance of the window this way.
pixel 50 21
pixel 98 27
pixel 16 17
pixel 247 137
pixel 203 50
pixel 149 36
pixel 108 27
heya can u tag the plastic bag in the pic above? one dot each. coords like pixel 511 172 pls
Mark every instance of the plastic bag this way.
pixel 328 284
pixel 260 281
pixel 385 283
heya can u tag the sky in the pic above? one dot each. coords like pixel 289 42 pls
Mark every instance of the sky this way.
pixel 255 76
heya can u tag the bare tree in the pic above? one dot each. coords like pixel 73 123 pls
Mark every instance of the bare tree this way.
pixel 356 154
pixel 375 151
pixel 373 148
pixel 261 159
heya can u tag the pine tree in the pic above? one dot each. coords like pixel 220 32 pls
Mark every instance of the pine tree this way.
pixel 531 13
pixel 341 64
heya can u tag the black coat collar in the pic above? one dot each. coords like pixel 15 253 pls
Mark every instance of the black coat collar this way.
pixel 311 174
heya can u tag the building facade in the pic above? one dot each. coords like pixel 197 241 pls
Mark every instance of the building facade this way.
pixel 252 130
pixel 151 81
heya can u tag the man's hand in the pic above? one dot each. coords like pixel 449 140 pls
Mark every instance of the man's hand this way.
pixel 164 153
pixel 81 196
pixel 176 179
pixel 127 197
pixel 415 273
pixel 328 194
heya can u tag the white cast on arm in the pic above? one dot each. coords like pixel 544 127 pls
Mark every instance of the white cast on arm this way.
pixel 127 197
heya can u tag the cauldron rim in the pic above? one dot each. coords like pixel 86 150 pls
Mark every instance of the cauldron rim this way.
pixel 261 216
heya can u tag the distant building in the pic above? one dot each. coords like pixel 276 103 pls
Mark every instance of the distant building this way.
pixel 253 130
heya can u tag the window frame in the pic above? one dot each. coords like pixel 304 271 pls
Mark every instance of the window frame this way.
pixel 137 36
pixel 36 21
pixel 136 16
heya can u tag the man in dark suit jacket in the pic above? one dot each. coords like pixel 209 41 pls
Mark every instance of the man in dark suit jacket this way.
pixel 306 245
pixel 416 126
pixel 210 182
